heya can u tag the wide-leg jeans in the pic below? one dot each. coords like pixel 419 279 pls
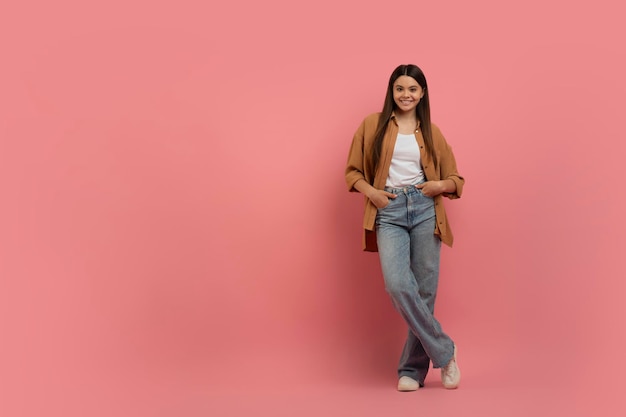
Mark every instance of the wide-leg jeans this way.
pixel 409 256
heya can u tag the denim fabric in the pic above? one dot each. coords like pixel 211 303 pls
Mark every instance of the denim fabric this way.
pixel 409 256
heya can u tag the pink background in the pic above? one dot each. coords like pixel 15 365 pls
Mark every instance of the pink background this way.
pixel 176 238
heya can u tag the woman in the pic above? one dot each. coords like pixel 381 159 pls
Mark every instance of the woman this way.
pixel 404 167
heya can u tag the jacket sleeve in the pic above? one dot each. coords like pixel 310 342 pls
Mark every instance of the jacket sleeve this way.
pixel 448 169
pixel 355 165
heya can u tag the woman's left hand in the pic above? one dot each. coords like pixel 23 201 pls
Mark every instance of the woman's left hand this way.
pixel 431 188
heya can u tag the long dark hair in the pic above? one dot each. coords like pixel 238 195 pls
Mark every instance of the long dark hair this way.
pixel 422 110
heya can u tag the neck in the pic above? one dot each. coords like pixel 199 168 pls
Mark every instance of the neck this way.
pixel 407 122
pixel 408 117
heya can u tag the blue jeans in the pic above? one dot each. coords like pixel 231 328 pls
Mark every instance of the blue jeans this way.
pixel 409 257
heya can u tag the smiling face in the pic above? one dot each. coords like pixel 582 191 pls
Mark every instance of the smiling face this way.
pixel 406 94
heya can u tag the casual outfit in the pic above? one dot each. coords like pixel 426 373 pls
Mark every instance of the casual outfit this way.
pixel 408 233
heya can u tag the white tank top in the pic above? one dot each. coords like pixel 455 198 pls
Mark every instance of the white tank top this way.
pixel 406 166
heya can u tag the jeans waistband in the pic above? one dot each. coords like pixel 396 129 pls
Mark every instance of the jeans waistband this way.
pixel 405 189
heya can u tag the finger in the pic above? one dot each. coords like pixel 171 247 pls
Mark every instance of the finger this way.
pixel 420 185
pixel 388 194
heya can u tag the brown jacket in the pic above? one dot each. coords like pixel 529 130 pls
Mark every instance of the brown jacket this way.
pixel 359 167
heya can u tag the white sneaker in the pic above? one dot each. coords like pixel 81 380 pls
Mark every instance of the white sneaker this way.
pixel 451 374
pixel 406 383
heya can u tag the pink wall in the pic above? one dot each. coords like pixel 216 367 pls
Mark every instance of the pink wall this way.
pixel 174 218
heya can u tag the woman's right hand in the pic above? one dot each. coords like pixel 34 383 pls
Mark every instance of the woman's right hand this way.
pixel 380 198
